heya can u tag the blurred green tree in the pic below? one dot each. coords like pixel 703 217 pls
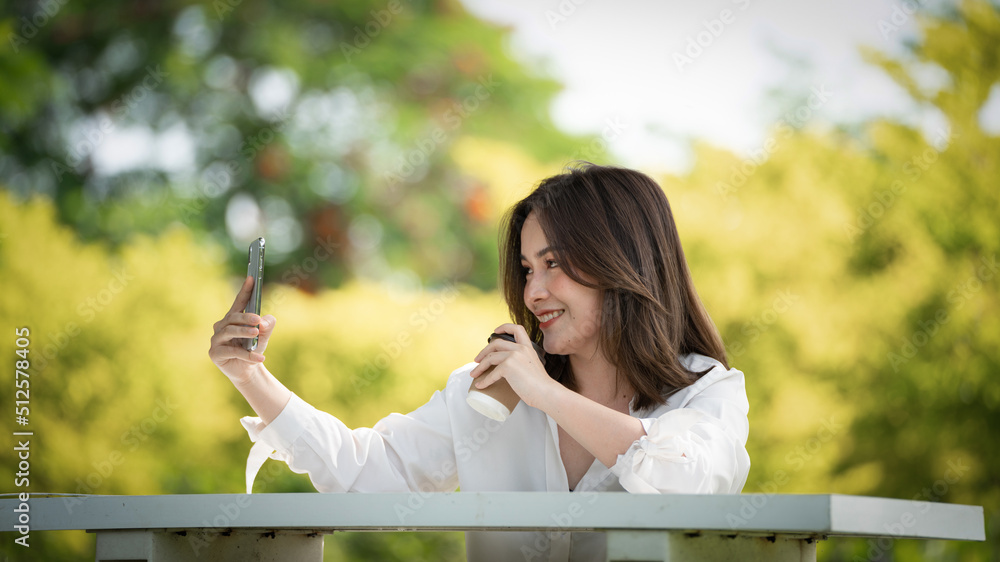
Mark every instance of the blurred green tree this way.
pixel 929 374
pixel 124 400
pixel 852 272
pixel 856 283
pixel 326 127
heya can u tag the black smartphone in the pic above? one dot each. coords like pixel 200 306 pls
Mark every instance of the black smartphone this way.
pixel 255 268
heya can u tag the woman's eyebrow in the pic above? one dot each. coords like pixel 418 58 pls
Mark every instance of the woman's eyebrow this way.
pixel 540 253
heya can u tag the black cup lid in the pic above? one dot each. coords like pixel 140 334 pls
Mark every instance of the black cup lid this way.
pixel 507 337
pixel 510 338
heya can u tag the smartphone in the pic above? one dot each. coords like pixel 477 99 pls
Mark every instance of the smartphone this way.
pixel 255 268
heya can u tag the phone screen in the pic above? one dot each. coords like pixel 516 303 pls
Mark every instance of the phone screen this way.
pixel 255 268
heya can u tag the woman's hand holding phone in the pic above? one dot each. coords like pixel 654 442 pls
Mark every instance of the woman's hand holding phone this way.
pixel 227 350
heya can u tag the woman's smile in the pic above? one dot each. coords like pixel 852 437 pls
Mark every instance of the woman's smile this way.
pixel 547 317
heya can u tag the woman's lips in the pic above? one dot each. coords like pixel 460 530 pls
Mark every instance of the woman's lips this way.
pixel 545 320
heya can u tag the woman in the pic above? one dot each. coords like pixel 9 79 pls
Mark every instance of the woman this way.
pixel 635 394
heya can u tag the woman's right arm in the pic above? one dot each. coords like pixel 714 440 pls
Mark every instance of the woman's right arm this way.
pixel 412 452
pixel 245 369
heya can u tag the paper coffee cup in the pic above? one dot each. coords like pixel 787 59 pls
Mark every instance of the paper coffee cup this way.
pixel 496 401
pixel 491 407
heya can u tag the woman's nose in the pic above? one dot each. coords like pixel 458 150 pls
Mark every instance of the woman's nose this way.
pixel 535 289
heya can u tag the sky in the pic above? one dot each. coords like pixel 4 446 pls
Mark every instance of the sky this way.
pixel 651 76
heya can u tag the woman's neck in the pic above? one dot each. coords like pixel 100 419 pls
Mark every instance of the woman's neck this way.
pixel 597 379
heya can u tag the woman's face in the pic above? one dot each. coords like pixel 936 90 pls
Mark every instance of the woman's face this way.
pixel 569 313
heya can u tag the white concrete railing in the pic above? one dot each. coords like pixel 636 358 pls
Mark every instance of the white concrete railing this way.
pixel 223 527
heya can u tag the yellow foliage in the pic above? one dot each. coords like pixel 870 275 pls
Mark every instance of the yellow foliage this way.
pixel 507 170
pixel 124 397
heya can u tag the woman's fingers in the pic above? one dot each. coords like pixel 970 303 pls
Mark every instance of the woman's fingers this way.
pixel 507 328
pixel 516 330
pixel 226 335
pixel 490 362
pixel 496 374
pixel 497 352
pixel 223 353
pixel 499 343
pixel 226 350
pixel 507 357
pixel 238 319
pixel 267 324
pixel 520 334
pixel 243 297
pixel 224 347
pixel 247 318
pixel 485 382
pixel 491 359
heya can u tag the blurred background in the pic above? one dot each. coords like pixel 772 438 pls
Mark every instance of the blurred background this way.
pixel 833 170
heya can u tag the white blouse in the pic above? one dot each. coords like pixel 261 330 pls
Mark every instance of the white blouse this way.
pixel 694 444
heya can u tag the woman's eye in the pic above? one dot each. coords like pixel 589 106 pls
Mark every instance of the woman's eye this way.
pixel 525 270
pixel 551 263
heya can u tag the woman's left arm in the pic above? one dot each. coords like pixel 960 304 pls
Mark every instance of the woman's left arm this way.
pixel 698 446
pixel 605 432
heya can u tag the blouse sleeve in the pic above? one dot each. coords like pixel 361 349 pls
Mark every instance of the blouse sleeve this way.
pixel 401 453
pixel 696 448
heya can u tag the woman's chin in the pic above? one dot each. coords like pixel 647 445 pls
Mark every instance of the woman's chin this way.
pixel 553 348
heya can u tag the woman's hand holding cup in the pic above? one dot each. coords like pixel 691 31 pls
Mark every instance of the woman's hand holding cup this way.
pixel 520 363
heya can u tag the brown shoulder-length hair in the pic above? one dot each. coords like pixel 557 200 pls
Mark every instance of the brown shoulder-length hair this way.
pixel 613 226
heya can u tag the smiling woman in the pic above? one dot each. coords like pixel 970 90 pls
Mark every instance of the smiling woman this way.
pixel 612 231
pixel 634 393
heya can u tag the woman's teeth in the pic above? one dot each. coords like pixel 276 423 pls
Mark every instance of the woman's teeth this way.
pixel 550 316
